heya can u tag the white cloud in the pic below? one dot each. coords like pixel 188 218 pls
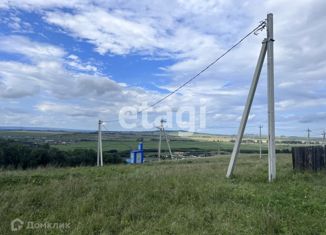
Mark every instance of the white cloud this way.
pixel 58 90
pixel 66 109
pixel 301 103
pixel 106 31
pixel 192 33
pixel 74 62
pixel 40 4
pixel 115 33
pixel 24 46
pixel 16 24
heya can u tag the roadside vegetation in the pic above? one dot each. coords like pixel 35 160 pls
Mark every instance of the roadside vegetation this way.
pixel 17 155
pixel 170 197
pixel 52 178
pixel 31 149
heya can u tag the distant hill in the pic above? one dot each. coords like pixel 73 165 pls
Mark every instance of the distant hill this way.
pixel 20 128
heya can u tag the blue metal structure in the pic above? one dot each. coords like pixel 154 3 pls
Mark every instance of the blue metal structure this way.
pixel 137 156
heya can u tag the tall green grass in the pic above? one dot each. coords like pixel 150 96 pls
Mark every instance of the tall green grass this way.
pixel 171 197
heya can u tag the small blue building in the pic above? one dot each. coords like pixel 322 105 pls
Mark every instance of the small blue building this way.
pixel 137 156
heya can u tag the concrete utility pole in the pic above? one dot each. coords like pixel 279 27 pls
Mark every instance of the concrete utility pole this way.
pixel 99 145
pixel 308 135
pixel 162 131
pixel 168 143
pixel 159 144
pixel 267 47
pixel 324 137
pixel 260 140
pixel 246 111
pixel 271 109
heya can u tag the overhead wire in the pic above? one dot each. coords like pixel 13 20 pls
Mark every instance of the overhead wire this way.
pixel 258 28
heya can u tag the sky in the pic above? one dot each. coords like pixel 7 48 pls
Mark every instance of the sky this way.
pixel 69 63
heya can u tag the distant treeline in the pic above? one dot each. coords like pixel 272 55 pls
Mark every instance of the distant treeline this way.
pixel 15 155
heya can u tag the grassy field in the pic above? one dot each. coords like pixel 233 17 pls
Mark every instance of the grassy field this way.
pixel 122 145
pixel 178 145
pixel 122 141
pixel 171 197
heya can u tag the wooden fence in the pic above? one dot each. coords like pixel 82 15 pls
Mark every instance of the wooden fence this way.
pixel 309 158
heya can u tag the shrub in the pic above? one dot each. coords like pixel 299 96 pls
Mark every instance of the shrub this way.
pixel 26 155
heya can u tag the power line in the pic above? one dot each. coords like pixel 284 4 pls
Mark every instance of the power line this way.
pixel 258 28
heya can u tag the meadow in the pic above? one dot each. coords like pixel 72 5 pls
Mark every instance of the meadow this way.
pixel 125 141
pixel 190 196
